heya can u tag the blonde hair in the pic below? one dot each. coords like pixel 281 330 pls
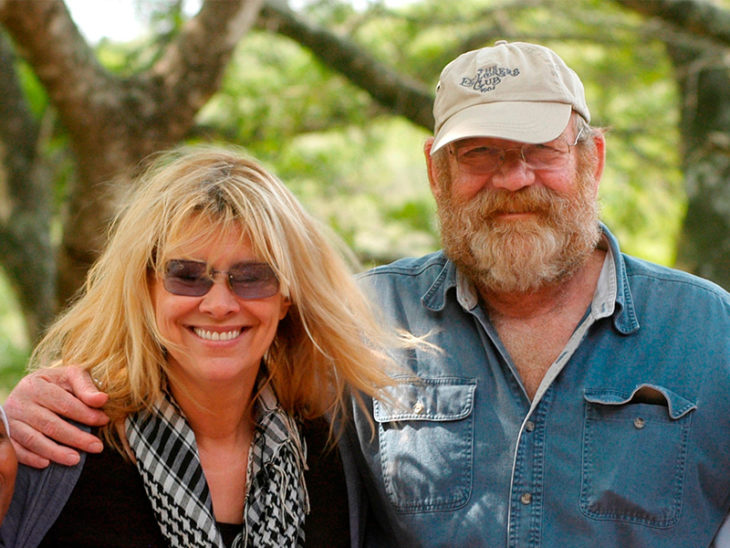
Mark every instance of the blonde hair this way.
pixel 328 344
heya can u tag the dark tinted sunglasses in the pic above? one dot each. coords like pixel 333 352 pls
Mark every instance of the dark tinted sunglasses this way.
pixel 194 279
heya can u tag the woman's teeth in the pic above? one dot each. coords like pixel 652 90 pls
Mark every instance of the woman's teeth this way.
pixel 216 335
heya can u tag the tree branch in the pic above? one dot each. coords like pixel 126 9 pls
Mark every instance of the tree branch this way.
pixel 394 91
pixel 694 16
pixel 192 66
pixel 115 123
pixel 48 39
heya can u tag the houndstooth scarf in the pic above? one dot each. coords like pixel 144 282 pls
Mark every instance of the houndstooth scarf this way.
pixel 276 496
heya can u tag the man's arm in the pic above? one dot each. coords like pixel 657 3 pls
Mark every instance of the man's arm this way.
pixel 36 409
pixel 722 539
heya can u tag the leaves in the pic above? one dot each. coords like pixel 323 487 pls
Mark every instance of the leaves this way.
pixel 335 98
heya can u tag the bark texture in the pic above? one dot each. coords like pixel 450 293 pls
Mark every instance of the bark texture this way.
pixel 697 34
pixel 113 123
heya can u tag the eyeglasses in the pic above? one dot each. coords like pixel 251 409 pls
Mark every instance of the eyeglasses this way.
pixel 194 279
pixel 478 159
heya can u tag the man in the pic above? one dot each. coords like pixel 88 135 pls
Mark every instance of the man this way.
pixel 578 396
pixel 8 466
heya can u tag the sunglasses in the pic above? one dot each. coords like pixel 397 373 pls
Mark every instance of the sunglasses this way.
pixel 194 279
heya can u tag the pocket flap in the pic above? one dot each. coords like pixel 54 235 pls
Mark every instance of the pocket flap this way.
pixel 677 405
pixel 428 399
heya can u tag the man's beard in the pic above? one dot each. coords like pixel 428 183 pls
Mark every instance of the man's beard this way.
pixel 524 254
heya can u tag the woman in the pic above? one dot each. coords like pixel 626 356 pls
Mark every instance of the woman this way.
pixel 219 320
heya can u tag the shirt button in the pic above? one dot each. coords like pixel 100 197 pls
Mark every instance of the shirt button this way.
pixel 529 426
pixel 418 408
pixel 639 423
pixel 526 498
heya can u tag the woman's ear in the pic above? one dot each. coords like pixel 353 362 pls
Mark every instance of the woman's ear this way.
pixel 284 307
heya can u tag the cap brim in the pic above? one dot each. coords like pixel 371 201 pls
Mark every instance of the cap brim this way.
pixel 526 122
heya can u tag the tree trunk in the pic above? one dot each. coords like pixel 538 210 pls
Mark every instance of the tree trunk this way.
pixel 698 34
pixel 25 211
pixel 113 124
pixel 704 79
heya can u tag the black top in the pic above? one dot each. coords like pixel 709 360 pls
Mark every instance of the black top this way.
pixel 109 508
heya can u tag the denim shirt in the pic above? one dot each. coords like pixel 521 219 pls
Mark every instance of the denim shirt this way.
pixel 626 442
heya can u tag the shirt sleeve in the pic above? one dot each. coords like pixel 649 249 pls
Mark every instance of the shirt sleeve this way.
pixel 722 539
pixel 38 499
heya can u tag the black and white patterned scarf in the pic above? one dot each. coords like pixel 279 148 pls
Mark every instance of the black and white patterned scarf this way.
pixel 276 496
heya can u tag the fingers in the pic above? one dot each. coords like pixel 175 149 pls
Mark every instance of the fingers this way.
pixel 28 458
pixel 53 390
pixel 35 409
pixel 79 383
pixel 46 428
pixel 36 450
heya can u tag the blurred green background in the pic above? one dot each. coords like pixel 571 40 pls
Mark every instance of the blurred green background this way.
pixel 358 164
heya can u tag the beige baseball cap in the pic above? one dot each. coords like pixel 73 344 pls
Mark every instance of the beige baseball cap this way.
pixel 513 90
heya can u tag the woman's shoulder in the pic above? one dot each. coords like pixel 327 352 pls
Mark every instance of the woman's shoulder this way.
pixel 39 497
pixel 328 523
pixel 106 499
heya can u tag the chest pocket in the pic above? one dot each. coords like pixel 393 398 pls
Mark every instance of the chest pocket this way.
pixel 426 436
pixel 634 455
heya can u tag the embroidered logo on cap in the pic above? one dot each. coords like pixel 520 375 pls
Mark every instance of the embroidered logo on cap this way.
pixel 488 78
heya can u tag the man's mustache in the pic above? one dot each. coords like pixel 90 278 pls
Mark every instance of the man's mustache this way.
pixel 533 199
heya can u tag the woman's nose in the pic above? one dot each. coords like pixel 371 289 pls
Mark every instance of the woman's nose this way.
pixel 220 299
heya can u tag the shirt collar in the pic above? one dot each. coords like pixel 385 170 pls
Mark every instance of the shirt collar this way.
pixel 624 317
pixel 435 297
pixel 612 295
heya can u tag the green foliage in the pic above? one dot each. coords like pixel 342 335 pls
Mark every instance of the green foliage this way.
pixel 35 95
pixel 382 208
pixel 360 169
pixel 631 92
pixel 14 350
pixel 274 90
pixel 351 164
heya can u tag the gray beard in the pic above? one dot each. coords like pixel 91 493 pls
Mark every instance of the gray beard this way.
pixel 520 255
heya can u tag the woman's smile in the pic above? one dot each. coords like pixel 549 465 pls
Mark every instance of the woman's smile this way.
pixel 217 335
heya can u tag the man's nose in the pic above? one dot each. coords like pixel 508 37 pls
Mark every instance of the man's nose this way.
pixel 514 173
